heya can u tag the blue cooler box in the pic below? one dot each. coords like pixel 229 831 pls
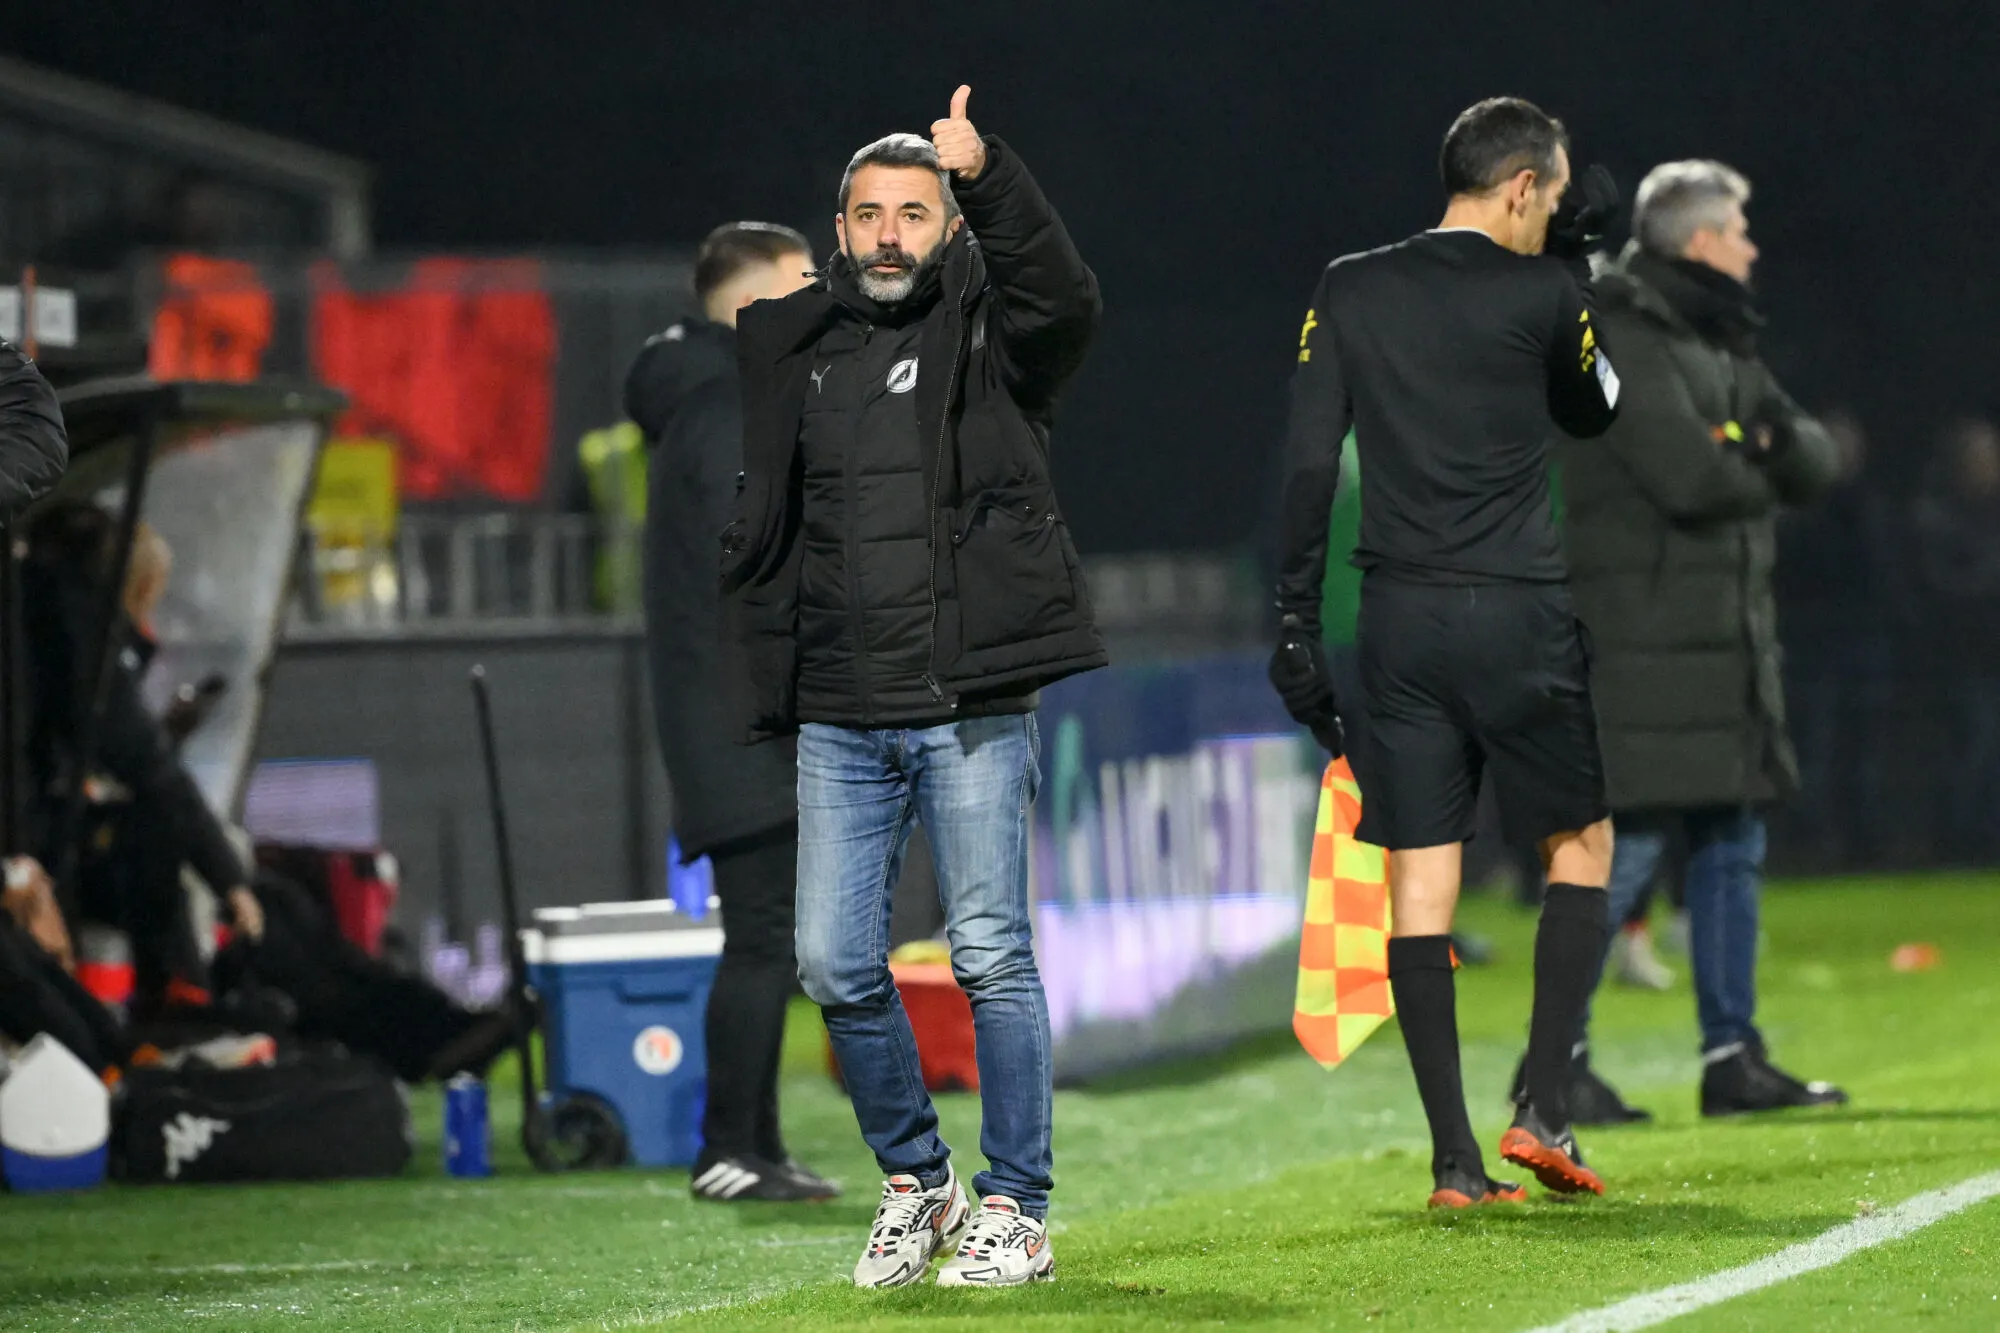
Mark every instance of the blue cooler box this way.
pixel 624 987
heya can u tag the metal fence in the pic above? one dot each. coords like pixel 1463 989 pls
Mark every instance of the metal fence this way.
pixel 522 571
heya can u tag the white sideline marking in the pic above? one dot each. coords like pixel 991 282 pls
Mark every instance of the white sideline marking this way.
pixel 233 1270
pixel 1823 1251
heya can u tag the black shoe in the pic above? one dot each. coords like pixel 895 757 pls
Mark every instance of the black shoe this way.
pixel 1592 1101
pixel 819 1186
pixel 1551 1154
pixel 1739 1079
pixel 747 1179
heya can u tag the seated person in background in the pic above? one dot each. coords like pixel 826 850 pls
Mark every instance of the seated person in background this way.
pixel 136 846
pixel 338 993
pixel 129 866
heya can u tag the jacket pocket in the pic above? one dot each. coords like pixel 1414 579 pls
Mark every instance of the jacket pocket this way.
pixel 1012 569
pixel 759 659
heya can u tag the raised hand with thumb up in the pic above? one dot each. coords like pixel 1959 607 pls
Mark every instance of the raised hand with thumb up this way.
pixel 958 145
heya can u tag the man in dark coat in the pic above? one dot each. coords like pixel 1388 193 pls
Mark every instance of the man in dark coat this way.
pixel 1671 535
pixel 735 804
pixel 900 587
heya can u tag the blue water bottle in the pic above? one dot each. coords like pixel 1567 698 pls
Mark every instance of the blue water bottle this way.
pixel 468 1135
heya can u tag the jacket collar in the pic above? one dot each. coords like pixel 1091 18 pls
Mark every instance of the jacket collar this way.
pixel 1688 296
pixel 788 326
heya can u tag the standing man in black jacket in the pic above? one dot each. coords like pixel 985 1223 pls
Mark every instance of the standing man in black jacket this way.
pixel 901 586
pixel 1448 354
pixel 735 804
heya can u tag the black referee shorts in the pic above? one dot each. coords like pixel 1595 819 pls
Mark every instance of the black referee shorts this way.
pixel 1456 680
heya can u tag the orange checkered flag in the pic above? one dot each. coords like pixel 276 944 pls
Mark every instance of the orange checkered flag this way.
pixel 1344 950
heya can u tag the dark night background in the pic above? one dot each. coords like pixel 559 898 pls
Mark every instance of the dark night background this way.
pixel 1209 158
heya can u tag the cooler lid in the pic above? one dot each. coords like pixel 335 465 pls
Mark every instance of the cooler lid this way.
pixel 626 918
pixel 625 946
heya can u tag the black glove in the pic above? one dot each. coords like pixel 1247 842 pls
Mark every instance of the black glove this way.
pixel 1300 675
pixel 1761 441
pixel 1584 217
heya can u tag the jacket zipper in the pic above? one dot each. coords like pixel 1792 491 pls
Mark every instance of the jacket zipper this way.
pixel 937 480
pixel 863 677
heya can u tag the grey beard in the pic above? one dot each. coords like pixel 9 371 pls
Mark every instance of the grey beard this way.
pixel 887 288
pixel 892 289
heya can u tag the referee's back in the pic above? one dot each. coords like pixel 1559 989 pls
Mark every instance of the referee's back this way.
pixel 1450 354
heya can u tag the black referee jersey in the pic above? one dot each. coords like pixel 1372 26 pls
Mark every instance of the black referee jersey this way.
pixel 1448 355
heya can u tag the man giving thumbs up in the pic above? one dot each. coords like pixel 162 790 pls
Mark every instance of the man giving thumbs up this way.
pixel 900 585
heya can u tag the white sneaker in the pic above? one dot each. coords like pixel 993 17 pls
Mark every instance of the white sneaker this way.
pixel 911 1225
pixel 1635 964
pixel 1001 1248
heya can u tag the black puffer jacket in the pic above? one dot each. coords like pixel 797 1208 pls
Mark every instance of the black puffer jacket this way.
pixel 1005 609
pixel 864 592
pixel 682 392
pixel 34 448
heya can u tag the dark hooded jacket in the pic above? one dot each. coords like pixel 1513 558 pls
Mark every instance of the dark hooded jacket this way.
pixel 1671 541
pixel 682 392
pixel 955 566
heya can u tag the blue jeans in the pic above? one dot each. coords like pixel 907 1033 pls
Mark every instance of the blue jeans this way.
pixel 1725 874
pixel 970 783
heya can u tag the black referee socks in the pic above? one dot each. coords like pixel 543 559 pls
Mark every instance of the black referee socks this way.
pixel 1569 945
pixel 1427 1008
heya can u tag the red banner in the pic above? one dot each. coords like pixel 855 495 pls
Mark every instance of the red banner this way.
pixel 457 367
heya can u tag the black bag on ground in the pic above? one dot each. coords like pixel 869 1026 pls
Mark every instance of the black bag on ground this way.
pixel 315 1115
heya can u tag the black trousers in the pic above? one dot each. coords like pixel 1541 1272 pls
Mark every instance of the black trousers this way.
pixel 341 993
pixel 37 996
pixel 130 879
pixel 757 881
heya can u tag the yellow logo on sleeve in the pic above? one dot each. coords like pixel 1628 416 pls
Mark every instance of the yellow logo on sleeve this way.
pixel 1305 352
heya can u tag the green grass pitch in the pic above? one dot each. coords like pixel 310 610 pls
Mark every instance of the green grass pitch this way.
pixel 1251 1189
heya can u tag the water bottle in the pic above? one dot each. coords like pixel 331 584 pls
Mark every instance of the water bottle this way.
pixel 468 1134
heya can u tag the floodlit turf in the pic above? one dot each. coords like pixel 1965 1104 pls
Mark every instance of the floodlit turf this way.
pixel 1252 1189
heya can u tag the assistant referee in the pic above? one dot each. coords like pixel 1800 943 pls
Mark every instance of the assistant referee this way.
pixel 1448 354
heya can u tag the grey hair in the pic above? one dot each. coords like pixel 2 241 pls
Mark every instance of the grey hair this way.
pixel 1678 199
pixel 899 150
